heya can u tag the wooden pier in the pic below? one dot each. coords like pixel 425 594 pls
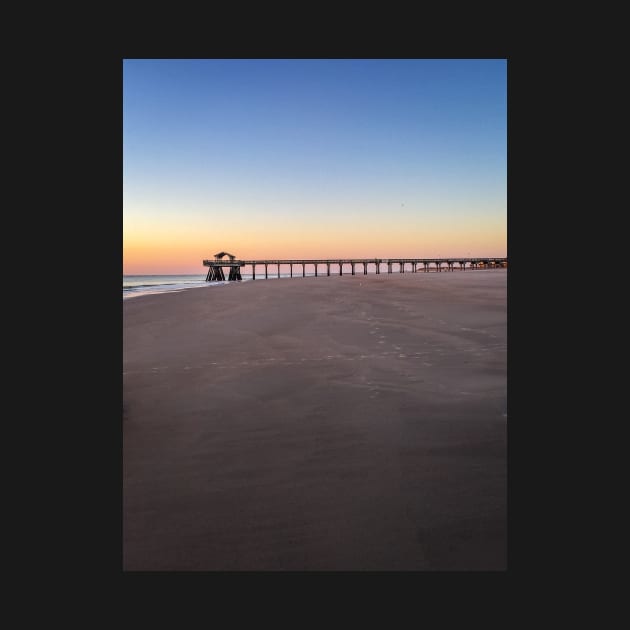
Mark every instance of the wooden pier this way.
pixel 216 265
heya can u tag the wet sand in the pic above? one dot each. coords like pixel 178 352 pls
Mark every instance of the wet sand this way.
pixel 342 423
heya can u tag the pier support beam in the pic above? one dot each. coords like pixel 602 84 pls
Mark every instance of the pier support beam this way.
pixel 253 272
pixel 402 267
pixel 215 274
pixel 341 269
pixel 291 267
pixel 327 269
pixel 315 269
pixel 365 269
pixel 352 266
pixel 235 274
pixel 378 267
pixel 303 270
pixel 389 267
pixel 266 275
pixel 278 269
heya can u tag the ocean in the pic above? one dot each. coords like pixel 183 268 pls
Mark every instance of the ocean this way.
pixel 134 286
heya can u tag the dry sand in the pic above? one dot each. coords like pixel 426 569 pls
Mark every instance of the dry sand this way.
pixel 342 423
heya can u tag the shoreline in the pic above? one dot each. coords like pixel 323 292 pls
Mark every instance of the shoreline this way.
pixel 356 424
pixel 127 294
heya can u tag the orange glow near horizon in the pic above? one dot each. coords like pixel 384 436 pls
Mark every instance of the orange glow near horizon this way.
pixel 182 250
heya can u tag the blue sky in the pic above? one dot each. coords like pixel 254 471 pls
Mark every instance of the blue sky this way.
pixel 218 151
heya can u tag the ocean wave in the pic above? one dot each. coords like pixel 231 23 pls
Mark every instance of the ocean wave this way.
pixel 161 284
pixel 130 291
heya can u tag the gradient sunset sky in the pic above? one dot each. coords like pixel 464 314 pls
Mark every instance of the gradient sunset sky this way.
pixel 304 158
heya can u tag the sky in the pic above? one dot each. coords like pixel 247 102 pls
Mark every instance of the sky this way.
pixel 309 158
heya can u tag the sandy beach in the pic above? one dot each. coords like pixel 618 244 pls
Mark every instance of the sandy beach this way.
pixel 331 423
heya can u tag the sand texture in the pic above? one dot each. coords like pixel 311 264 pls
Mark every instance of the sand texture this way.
pixel 342 423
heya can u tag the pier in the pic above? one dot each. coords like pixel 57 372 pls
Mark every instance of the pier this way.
pixel 223 260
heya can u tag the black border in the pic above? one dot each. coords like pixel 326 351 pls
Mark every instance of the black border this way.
pixel 101 387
